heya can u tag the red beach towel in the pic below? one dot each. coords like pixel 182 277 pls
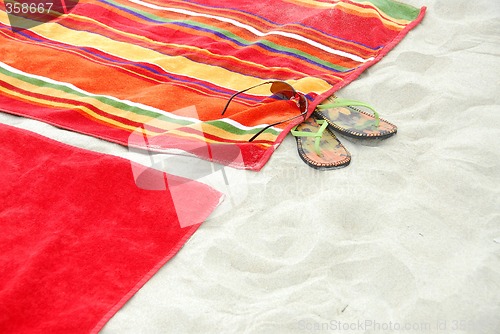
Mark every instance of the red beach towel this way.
pixel 77 237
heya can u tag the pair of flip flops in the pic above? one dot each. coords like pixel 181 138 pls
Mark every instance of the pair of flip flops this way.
pixel 317 144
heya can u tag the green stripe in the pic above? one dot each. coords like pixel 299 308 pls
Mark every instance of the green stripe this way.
pixel 394 9
pixel 237 131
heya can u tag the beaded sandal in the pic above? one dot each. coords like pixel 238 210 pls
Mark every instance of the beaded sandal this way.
pixel 343 116
pixel 318 147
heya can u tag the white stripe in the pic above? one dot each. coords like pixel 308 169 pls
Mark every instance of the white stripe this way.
pixel 257 32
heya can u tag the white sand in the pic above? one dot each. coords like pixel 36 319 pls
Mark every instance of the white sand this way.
pixel 408 234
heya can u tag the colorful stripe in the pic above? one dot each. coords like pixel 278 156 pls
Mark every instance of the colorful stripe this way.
pixel 110 68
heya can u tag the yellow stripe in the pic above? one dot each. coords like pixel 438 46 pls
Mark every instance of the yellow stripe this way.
pixel 312 3
pixel 221 133
pixel 310 84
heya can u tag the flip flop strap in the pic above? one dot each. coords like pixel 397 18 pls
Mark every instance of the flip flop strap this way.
pixel 341 102
pixel 318 135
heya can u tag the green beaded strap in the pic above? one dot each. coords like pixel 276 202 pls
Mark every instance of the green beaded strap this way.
pixel 317 134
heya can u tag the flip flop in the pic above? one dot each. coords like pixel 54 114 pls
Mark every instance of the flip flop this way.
pixel 318 147
pixel 343 116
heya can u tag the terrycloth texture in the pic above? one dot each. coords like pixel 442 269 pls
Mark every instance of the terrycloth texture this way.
pixel 168 67
pixel 78 237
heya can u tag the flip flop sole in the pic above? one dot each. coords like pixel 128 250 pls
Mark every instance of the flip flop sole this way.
pixel 333 154
pixel 355 123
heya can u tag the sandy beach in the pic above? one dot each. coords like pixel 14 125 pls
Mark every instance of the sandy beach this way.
pixel 404 239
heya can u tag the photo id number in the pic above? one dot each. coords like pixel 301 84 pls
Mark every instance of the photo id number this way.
pixel 25 8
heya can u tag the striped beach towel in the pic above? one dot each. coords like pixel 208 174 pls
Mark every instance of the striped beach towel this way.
pixel 157 74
